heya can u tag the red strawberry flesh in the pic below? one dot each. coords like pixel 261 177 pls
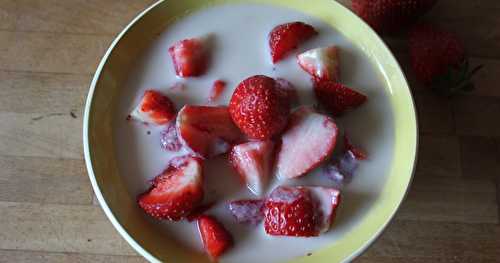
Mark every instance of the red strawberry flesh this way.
pixel 253 161
pixel 290 211
pixel 300 211
pixel 321 63
pixel 433 52
pixel 338 98
pixel 199 211
pixel 216 239
pixel 309 140
pixel 327 201
pixel 286 37
pixel 154 108
pixel 247 211
pixel 217 89
pixel 259 108
pixel 391 16
pixel 206 131
pixel 174 193
pixel 190 57
pixel 358 153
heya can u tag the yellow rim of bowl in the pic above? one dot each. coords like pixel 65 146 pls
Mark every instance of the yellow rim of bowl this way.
pixel 358 239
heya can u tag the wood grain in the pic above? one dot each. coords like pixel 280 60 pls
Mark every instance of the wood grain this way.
pixel 473 115
pixel 36 51
pixel 479 157
pixel 439 155
pixel 463 200
pixel 54 93
pixel 76 16
pixel 429 240
pixel 49 50
pixel 59 228
pixel 53 135
pixel 44 180
pixel 23 256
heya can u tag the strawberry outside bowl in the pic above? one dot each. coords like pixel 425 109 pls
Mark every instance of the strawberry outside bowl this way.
pixel 362 217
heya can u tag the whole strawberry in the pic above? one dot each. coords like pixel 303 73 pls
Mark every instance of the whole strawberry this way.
pixel 259 108
pixel 390 16
pixel 439 61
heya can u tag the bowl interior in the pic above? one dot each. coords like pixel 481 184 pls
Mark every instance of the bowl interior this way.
pixel 113 74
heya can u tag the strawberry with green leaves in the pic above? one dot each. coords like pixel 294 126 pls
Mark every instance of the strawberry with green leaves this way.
pixel 439 61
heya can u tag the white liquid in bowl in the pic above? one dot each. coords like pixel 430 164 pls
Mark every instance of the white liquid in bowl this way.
pixel 241 50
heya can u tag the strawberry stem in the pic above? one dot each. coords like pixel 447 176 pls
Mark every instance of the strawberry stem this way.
pixel 456 80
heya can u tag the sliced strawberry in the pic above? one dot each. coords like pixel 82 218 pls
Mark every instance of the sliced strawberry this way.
pixel 217 89
pixel 358 153
pixel 289 90
pixel 253 161
pixel 259 108
pixel 169 140
pixel 247 211
pixel 309 139
pixel 175 192
pixel 190 56
pixel 216 239
pixel 206 131
pixel 321 63
pixel 154 108
pixel 287 37
pixel 327 201
pixel 300 211
pixel 290 211
pixel 199 211
pixel 337 98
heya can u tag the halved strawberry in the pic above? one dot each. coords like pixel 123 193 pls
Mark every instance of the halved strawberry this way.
pixel 216 239
pixel 286 37
pixel 154 108
pixel 175 192
pixel 337 98
pixel 259 108
pixel 327 201
pixel 290 211
pixel 253 161
pixel 309 139
pixel 300 211
pixel 206 131
pixel 199 211
pixel 247 211
pixel 218 87
pixel 321 63
pixel 190 56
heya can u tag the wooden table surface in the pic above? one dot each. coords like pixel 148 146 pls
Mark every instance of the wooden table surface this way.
pixel 49 50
